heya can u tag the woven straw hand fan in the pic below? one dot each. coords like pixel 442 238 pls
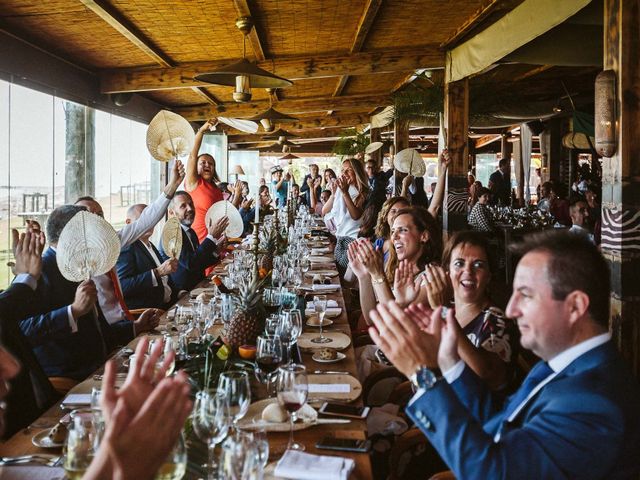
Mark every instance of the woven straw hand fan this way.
pixel 172 238
pixel 88 246
pixel 409 161
pixel 219 210
pixel 169 136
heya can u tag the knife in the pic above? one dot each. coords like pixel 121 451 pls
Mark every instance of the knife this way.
pixel 329 372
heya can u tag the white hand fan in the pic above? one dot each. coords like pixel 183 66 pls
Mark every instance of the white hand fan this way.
pixel 246 126
pixel 169 136
pixel 88 246
pixel 372 147
pixel 219 210
pixel 172 238
pixel 409 161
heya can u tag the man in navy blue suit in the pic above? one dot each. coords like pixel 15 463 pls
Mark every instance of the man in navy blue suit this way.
pixel 576 415
pixel 73 338
pixel 143 275
pixel 195 257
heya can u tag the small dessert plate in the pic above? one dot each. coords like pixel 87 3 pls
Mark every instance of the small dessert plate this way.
pixel 42 440
pixel 340 356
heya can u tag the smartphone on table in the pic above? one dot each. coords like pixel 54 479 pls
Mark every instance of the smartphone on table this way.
pixel 343 410
pixel 344 444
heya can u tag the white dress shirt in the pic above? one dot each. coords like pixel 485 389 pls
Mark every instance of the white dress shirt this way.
pixel 154 280
pixel 131 232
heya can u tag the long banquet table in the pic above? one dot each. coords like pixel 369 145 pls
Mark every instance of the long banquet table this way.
pixel 20 443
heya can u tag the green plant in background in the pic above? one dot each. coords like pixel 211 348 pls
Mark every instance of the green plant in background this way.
pixel 351 142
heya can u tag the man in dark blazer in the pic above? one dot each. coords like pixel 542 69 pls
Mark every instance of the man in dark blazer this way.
pixel 143 275
pixel 73 338
pixel 195 257
pixel 30 391
pixel 576 415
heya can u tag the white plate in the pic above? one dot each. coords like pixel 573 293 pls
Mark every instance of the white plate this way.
pixel 253 419
pixel 316 357
pixel 326 323
pixel 42 440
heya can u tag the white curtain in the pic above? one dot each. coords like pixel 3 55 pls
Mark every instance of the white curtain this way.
pixel 525 154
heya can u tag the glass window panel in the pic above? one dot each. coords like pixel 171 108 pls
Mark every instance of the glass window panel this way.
pixel 5 192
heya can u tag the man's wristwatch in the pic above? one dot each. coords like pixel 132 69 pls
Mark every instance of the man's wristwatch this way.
pixel 424 378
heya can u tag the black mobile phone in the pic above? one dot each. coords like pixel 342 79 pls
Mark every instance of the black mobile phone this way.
pixel 344 444
pixel 342 410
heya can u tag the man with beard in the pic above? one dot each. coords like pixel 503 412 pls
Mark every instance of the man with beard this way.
pixel 195 257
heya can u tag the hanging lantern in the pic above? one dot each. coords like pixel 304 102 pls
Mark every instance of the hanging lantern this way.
pixel 605 113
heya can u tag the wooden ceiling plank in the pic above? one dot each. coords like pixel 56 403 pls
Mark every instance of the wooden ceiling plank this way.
pixel 487 139
pixel 364 63
pixel 206 95
pixel 290 106
pixel 128 30
pixel 364 25
pixel 533 72
pixel 242 7
pixel 474 20
pixel 342 82
pixel 327 132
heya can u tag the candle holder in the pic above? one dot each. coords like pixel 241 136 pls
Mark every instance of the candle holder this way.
pixel 255 247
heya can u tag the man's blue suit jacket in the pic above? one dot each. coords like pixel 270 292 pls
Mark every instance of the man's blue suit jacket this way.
pixel 61 352
pixel 193 261
pixel 134 267
pixel 585 423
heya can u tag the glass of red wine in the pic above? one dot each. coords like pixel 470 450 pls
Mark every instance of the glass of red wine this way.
pixel 293 389
pixel 268 358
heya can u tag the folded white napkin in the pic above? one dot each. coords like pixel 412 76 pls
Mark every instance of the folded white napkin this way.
pixel 320 259
pixel 329 388
pixel 306 466
pixel 330 312
pixel 320 250
pixel 325 288
pixel 75 399
pixel 385 420
pixel 330 304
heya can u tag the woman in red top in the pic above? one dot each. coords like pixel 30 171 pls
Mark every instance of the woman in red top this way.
pixel 200 182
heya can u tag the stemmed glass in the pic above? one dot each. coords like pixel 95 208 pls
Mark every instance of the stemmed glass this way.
pixel 235 383
pixel 289 329
pixel 293 389
pixel 268 357
pixel 211 422
pixel 175 464
pixel 320 307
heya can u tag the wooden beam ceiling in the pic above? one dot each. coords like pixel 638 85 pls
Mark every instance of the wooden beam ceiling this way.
pixel 364 63
pixel 475 20
pixel 128 30
pixel 329 132
pixel 364 25
pixel 344 121
pixel 242 7
pixel 290 106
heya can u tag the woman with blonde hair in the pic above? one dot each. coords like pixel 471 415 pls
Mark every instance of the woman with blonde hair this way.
pixel 345 206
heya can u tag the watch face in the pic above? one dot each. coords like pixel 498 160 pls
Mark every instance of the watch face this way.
pixel 426 378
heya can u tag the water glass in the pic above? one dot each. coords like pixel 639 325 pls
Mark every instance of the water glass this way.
pixel 320 307
pixel 241 458
pixel 83 440
pixel 235 383
pixel 211 421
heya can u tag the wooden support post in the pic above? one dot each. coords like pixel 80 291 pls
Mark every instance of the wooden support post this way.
pixel 374 136
pixel 457 123
pixel 400 142
pixel 621 178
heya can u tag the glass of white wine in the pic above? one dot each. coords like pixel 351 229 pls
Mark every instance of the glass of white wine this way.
pixel 175 465
pixel 82 442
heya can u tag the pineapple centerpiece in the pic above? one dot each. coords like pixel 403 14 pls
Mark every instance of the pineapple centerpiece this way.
pixel 247 320
pixel 269 244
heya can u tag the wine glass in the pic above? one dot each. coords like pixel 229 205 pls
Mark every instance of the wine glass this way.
pixel 235 383
pixel 293 389
pixel 289 329
pixel 241 458
pixel 320 307
pixel 211 422
pixel 175 465
pixel 268 356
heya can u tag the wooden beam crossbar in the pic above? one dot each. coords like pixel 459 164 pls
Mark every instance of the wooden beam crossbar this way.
pixel 128 30
pixel 364 63
pixel 289 106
